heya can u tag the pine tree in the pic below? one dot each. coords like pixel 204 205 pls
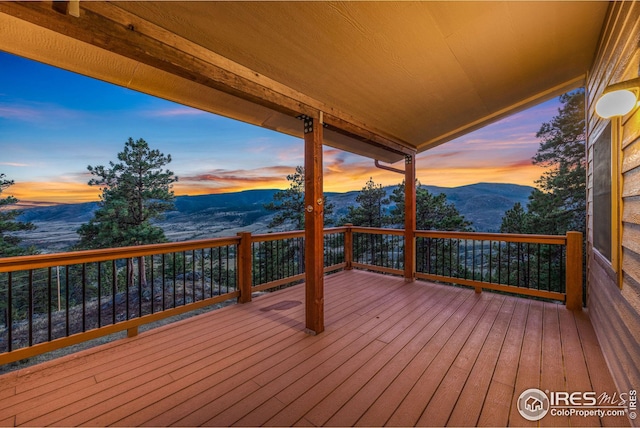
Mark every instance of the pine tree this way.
pixel 135 191
pixel 289 204
pixel 9 243
pixel 515 220
pixel 560 203
pixel 433 212
pixel 9 247
pixel 370 212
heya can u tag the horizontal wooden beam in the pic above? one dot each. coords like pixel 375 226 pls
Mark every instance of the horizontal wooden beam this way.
pixel 10 264
pixel 109 27
pixel 502 237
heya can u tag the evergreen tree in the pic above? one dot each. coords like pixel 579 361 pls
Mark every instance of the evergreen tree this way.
pixel 9 247
pixel 560 204
pixel 289 204
pixel 135 191
pixel 511 258
pixel 9 243
pixel 515 220
pixel 433 212
pixel 370 212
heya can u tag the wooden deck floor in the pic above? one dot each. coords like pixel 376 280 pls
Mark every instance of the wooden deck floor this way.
pixel 392 354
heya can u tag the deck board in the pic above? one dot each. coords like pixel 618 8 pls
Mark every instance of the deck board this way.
pixel 454 334
pixel 467 409
pixel 393 353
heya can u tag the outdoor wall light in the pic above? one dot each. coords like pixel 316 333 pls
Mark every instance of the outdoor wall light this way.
pixel 618 99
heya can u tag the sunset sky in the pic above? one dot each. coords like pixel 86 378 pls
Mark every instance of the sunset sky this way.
pixel 54 123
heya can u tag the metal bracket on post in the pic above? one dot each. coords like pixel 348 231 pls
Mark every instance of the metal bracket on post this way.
pixel 308 123
pixel 408 159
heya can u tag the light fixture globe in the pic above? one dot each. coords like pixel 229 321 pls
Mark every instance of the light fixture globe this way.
pixel 616 103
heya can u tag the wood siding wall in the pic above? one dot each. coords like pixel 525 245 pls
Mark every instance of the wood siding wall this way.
pixel 615 309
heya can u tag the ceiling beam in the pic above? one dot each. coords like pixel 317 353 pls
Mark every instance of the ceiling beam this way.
pixel 108 27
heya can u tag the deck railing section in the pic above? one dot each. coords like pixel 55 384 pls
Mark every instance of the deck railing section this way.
pixel 278 258
pixel 54 300
pixel 51 301
pixel 378 249
pixel 532 265
pixel 544 266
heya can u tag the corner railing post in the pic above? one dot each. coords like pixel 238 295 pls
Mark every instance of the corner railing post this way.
pixel 574 271
pixel 348 247
pixel 244 267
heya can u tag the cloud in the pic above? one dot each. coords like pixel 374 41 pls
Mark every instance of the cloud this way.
pixel 14 164
pixel 221 180
pixel 334 160
pixel 38 113
pixel 178 111
pixel 248 175
pixel 24 114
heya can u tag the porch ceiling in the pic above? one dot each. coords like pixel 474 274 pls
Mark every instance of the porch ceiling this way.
pixel 387 75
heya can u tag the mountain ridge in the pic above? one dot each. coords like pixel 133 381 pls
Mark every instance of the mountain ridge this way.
pixel 225 214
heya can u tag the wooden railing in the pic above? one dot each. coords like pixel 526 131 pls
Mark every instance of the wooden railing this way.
pixel 51 301
pixel 275 259
pixel 378 249
pixel 55 300
pixel 545 266
pixel 532 265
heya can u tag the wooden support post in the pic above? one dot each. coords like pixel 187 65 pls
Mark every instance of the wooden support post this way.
pixel 348 247
pixel 244 267
pixel 132 332
pixel 409 218
pixel 313 225
pixel 574 271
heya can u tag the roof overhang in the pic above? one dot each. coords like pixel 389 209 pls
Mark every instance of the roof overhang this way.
pixel 386 78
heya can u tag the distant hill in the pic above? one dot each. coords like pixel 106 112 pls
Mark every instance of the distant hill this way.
pixel 226 214
pixel 484 204
pixel 63 212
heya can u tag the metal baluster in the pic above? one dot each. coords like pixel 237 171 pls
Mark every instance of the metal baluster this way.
pixel 30 308
pixel 10 312
pixel 84 297
pixel 202 272
pixel 508 263
pixel 99 295
pixel 49 303
pixel 114 288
